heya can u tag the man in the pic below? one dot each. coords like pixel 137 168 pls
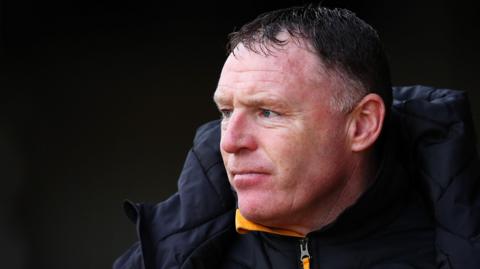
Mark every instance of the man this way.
pixel 309 150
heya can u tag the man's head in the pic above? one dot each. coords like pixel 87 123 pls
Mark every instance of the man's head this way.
pixel 301 113
pixel 347 46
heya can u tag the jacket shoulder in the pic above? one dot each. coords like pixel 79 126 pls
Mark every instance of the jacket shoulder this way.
pixel 439 145
pixel 202 208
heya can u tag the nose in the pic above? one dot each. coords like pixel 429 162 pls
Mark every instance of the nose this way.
pixel 237 133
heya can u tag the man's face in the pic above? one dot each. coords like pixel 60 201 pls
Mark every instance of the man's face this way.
pixel 283 146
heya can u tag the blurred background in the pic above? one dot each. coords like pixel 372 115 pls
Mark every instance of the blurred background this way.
pixel 99 102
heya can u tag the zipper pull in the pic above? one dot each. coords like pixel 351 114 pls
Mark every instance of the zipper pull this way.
pixel 304 253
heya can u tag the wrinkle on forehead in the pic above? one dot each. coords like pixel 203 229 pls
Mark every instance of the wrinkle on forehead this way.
pixel 249 76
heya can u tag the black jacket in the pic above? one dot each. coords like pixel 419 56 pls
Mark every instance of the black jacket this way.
pixel 423 210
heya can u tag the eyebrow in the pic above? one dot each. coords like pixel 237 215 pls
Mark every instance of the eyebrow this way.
pixel 263 100
pixel 219 98
pixel 257 100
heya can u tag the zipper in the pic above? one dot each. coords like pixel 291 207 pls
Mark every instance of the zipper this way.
pixel 304 253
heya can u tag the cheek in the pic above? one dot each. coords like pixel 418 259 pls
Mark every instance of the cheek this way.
pixel 288 151
pixel 306 157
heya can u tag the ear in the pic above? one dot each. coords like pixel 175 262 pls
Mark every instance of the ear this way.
pixel 366 122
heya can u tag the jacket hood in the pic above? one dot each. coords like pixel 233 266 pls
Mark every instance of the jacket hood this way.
pixel 439 148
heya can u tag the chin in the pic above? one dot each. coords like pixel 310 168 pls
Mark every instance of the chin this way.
pixel 256 210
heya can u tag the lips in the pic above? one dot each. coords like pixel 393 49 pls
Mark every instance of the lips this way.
pixel 248 178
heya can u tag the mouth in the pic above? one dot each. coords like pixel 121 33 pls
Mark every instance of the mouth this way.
pixel 248 179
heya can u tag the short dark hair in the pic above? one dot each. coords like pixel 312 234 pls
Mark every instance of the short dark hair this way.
pixel 344 43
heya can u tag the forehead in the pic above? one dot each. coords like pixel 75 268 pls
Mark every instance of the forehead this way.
pixel 293 56
pixel 293 66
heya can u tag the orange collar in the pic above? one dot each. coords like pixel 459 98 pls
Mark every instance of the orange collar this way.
pixel 244 226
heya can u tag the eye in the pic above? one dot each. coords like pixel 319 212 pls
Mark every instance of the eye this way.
pixel 266 113
pixel 226 113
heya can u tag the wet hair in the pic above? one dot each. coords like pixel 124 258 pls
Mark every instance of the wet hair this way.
pixel 348 48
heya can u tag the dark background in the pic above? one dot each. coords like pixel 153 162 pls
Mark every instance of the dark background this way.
pixel 99 101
